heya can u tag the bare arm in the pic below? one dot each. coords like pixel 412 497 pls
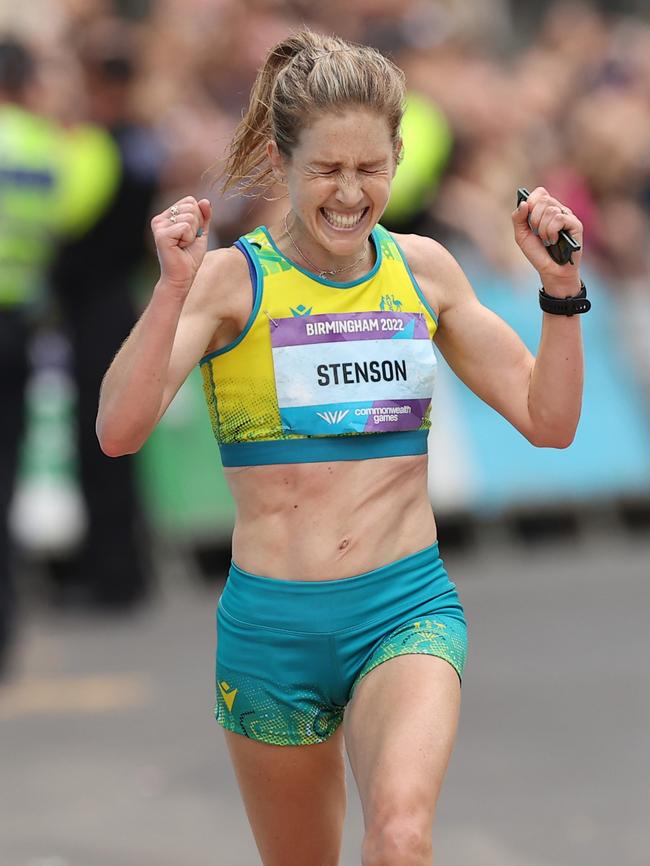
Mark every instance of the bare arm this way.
pixel 189 308
pixel 540 396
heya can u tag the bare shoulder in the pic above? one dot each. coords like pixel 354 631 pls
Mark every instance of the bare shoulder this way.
pixel 222 284
pixel 419 248
pixel 435 269
pixel 221 271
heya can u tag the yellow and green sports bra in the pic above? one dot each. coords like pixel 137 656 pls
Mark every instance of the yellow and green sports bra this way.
pixel 324 371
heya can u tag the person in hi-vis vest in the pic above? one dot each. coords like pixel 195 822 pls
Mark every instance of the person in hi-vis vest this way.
pixel 53 184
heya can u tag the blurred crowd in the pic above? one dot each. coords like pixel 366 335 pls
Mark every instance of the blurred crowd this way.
pixel 135 103
pixel 567 107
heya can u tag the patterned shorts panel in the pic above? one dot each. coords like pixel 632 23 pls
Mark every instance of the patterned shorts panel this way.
pixel 441 636
pixel 277 713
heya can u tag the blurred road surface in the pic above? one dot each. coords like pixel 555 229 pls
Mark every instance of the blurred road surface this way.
pixel 109 755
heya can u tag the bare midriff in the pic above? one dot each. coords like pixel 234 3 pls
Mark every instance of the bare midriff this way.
pixel 326 521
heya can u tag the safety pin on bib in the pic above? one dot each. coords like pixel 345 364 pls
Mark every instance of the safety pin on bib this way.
pixel 273 322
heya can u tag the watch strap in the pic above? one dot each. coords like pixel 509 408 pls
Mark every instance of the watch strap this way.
pixel 569 306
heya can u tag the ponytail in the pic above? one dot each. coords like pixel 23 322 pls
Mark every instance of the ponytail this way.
pixel 247 166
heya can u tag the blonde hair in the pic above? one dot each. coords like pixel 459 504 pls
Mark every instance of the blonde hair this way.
pixel 303 76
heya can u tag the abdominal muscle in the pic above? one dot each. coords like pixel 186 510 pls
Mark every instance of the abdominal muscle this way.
pixel 326 521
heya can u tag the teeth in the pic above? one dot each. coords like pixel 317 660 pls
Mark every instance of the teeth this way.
pixel 342 222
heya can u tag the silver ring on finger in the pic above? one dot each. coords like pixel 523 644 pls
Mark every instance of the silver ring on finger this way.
pixel 172 218
pixel 174 210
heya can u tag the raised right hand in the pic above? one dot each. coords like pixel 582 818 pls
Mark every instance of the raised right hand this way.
pixel 181 236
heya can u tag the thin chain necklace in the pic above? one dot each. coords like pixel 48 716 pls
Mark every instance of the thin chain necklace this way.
pixel 321 273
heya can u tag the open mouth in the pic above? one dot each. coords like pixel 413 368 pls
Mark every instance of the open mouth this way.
pixel 343 222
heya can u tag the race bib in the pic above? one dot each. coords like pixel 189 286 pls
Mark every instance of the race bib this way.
pixel 352 372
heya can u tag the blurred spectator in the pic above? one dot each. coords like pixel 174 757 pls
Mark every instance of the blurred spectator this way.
pixel 40 199
pixel 93 277
pixel 427 144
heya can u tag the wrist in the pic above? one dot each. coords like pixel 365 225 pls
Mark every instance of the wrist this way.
pixel 565 288
pixel 569 305
pixel 171 291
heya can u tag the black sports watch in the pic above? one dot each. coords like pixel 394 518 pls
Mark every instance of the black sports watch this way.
pixel 569 306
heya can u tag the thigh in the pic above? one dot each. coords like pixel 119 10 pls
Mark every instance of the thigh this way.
pixel 399 730
pixel 294 798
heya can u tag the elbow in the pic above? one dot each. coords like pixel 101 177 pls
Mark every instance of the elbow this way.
pixel 112 449
pixel 114 446
pixel 552 439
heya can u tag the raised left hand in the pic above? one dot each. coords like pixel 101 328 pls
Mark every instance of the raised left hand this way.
pixel 537 222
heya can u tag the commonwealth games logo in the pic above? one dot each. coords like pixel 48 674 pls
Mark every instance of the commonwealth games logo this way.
pixel 333 417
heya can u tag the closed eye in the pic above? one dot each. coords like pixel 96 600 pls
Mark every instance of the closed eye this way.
pixel 321 171
pixel 362 170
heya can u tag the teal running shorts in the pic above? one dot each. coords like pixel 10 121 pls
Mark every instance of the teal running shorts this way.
pixel 291 652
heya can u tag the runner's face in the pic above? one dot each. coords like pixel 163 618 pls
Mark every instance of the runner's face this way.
pixel 339 178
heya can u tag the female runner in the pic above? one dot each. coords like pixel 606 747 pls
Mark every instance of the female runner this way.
pixel 314 337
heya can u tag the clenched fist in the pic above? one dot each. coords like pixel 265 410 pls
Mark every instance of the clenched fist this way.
pixel 181 236
pixel 537 223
